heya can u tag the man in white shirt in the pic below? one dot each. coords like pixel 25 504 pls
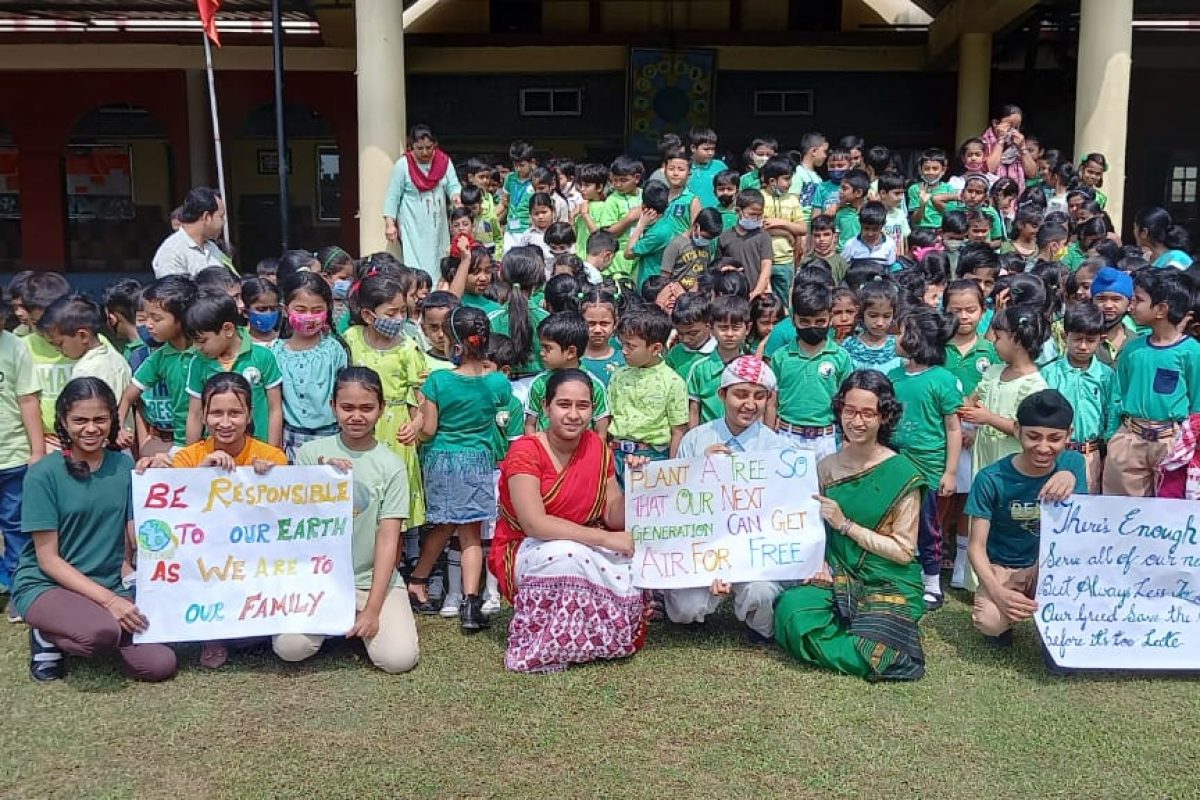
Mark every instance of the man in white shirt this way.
pixel 192 247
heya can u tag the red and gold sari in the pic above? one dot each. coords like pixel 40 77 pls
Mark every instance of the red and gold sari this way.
pixel 573 603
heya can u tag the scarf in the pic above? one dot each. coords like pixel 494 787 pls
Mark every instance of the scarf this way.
pixel 437 170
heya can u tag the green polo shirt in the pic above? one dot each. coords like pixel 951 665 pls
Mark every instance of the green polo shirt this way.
pixel 166 368
pixel 679 212
pixel 485 304
pixel 1091 392
pixel 703 381
pixel 847 224
pixel 649 248
pixel 535 403
pixel 927 398
pixel 681 358
pixel 256 364
pixel 807 383
pixel 646 403
pixel 616 208
pixel 598 211
pixel 931 218
pixel 1158 383
pixel 997 227
pixel 969 367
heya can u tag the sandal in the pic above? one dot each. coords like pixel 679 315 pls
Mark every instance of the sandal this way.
pixel 425 607
pixel 213 655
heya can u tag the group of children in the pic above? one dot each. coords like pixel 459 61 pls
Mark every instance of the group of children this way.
pixel 969 294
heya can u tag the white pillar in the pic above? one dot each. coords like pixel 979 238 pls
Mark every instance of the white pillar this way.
pixel 1102 91
pixel 200 155
pixel 974 84
pixel 379 76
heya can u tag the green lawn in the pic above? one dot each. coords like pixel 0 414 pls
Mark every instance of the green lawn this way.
pixel 696 714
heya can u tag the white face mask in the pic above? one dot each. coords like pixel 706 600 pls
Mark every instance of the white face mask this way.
pixel 759 161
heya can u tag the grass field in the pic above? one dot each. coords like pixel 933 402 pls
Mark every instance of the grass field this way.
pixel 696 714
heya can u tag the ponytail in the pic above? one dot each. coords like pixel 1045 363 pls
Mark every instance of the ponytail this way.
pixel 524 276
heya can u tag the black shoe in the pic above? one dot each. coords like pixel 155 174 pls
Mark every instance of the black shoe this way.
pixel 45 660
pixel 1003 640
pixel 934 600
pixel 470 614
pixel 426 607
pixel 758 640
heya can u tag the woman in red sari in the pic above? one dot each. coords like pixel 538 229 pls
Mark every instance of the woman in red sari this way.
pixel 560 553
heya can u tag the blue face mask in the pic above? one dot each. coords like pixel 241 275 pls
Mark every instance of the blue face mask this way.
pixel 837 174
pixel 144 335
pixel 341 288
pixel 700 241
pixel 388 327
pixel 750 224
pixel 263 321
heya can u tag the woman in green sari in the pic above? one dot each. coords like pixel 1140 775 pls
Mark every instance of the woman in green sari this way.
pixel 860 615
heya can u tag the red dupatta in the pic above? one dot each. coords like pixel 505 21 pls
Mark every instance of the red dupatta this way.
pixel 578 494
pixel 427 181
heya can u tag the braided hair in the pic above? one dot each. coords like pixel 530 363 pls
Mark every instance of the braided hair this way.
pixel 469 330
pixel 76 391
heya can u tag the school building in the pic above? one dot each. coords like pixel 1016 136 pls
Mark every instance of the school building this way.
pixel 104 104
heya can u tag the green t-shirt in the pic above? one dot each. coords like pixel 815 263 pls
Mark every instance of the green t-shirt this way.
pixel 1009 499
pixel 510 425
pixel 485 304
pixel 969 367
pixel 1091 392
pixel 1159 383
pixel 535 403
pixel 703 381
pixel 164 374
pixel 17 379
pixel 598 211
pixel 681 357
pixel 996 231
pixel 649 248
pixel 518 193
pixel 53 371
pixel 257 365
pixel 679 212
pixel 807 383
pixel 603 368
pixel 500 324
pixel 847 224
pixel 824 194
pixel 466 409
pixel 646 403
pixel 1074 256
pixel 700 183
pixel 380 483
pixel 931 218
pixel 616 208
pixel 729 217
pixel 89 516
pixel 750 180
pixel 927 397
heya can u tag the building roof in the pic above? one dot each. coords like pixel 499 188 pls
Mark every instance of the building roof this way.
pixel 165 10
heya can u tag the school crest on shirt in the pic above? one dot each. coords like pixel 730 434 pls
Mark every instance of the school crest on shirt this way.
pixel 981 364
pixel 252 375
pixel 825 369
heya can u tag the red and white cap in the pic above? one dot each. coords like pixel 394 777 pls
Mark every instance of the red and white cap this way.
pixel 748 369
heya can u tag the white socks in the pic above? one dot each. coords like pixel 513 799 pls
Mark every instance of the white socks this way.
pixel 959 575
pixel 453 572
pixel 933 583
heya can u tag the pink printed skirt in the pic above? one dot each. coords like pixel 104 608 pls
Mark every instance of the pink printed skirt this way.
pixel 573 604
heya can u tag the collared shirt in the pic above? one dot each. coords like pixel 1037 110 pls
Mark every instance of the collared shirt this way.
pixel 808 382
pixel 1091 392
pixel 646 403
pixel 180 255
pixel 884 252
pixel 756 438
pixel 256 364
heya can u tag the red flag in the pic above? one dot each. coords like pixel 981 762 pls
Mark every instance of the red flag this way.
pixel 208 15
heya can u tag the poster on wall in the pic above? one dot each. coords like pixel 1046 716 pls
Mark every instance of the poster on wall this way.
pixel 670 91
pixel 10 188
pixel 100 182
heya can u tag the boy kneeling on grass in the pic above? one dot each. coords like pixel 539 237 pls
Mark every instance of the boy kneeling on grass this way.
pixel 1005 510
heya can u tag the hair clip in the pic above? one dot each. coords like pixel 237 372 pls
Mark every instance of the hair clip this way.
pixel 516 285
pixel 1021 320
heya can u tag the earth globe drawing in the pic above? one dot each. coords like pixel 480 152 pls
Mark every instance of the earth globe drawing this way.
pixel 154 536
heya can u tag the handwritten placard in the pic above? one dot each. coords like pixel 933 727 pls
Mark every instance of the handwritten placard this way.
pixel 740 517
pixel 224 555
pixel 1119 583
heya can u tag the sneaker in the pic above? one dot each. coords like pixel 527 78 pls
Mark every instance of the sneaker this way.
pixel 491 605
pixel 13 616
pixel 451 605
pixel 470 615
pixel 1003 640
pixel 45 660
pixel 934 600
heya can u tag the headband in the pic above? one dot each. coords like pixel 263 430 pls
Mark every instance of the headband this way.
pixel 333 253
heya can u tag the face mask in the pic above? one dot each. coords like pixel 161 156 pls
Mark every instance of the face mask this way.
pixel 837 174
pixel 263 321
pixel 341 288
pixel 725 199
pixel 144 335
pixel 953 244
pixel 700 241
pixel 759 161
pixel 388 327
pixel 932 181
pixel 750 224
pixel 813 335
pixel 310 324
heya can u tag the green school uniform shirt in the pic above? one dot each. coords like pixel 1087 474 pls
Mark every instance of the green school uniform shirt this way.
pixel 646 402
pixel 703 381
pixel 679 212
pixel 164 374
pixel 603 368
pixel 53 371
pixel 996 231
pixel 927 398
pixel 89 516
pixel 847 224
pixel 500 324
pixel 1009 499
pixel 681 357
pixel 535 403
pixel 649 249
pixel 931 218
pixel 969 367
pixel 510 425
pixel 616 208
pixel 380 486
pixel 17 379
pixel 256 364
pixel 485 304
pixel 1091 392
pixel 808 382
pixel 518 193
pixel 750 180
pixel 729 217
pixel 1159 383
pixel 598 211
pixel 466 408
pixel 701 181
pixel 1074 257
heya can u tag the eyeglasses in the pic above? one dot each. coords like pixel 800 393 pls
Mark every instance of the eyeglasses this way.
pixel 867 415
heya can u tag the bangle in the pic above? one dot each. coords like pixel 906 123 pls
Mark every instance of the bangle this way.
pixel 111 600
pixel 845 527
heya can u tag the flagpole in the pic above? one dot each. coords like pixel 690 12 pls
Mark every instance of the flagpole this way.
pixel 280 137
pixel 216 126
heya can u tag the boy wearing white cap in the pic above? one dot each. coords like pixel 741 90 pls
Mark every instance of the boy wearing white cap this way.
pixel 746 385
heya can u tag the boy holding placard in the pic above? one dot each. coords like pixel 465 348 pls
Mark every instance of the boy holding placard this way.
pixel 746 385
pixel 1005 510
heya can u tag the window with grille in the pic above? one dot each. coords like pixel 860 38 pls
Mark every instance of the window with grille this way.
pixel 783 103
pixel 1183 184
pixel 551 102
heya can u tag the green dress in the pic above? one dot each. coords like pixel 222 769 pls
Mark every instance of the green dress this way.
pixel 866 623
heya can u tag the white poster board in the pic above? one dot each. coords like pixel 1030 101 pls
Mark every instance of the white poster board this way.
pixel 740 517
pixel 1119 583
pixel 225 555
